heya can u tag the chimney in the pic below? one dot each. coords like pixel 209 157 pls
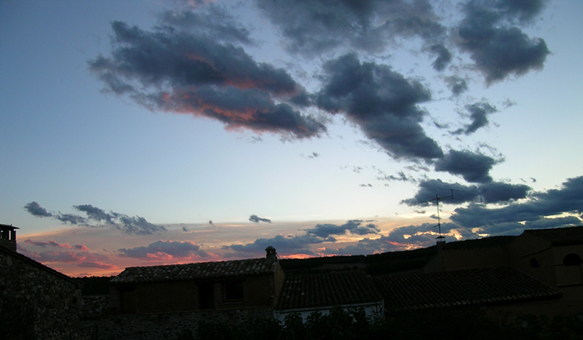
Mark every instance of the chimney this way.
pixel 271 254
pixel 8 237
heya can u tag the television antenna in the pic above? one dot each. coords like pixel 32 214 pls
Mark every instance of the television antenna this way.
pixel 440 238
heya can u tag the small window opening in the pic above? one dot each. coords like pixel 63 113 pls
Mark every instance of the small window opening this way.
pixel 572 260
pixel 534 263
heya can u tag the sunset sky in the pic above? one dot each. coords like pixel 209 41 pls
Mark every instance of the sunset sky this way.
pixel 165 131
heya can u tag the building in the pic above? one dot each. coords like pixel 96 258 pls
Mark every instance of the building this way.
pixel 36 302
pixel 305 294
pixel 239 284
pixel 496 289
pixel 553 257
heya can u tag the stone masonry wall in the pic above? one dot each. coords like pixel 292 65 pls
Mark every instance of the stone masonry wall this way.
pixel 36 303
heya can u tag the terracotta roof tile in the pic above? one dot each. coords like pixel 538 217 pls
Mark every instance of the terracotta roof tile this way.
pixel 179 272
pixel 330 289
pixel 460 288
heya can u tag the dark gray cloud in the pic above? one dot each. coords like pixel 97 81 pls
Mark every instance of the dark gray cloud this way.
pixel 99 218
pixel 382 102
pixel 567 199
pixel 36 210
pixel 314 27
pixel 196 72
pixel 211 20
pixel 537 210
pixel 299 244
pixel 165 250
pixel 473 167
pixel 456 85
pixel 443 56
pixel 356 227
pixel 492 192
pixel 500 192
pixel 284 245
pixel 257 219
pixel 51 243
pixel 365 246
pixel 479 116
pixel 71 219
pixel 498 48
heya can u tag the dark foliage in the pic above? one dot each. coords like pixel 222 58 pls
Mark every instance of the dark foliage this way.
pixel 95 285
pixel 354 324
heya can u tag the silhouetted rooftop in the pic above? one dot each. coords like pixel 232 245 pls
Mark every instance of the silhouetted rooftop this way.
pixel 559 236
pixel 179 272
pixel 460 288
pixel 329 289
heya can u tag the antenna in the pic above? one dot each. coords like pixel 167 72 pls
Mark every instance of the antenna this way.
pixel 440 238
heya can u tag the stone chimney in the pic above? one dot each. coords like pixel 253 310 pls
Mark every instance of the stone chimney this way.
pixel 8 237
pixel 271 254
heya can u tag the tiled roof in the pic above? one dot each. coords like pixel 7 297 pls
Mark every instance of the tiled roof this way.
pixel 460 288
pixel 559 236
pixel 330 289
pixel 179 272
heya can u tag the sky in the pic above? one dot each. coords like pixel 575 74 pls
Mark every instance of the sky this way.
pixel 139 133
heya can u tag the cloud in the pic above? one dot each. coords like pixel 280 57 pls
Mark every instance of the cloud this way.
pixel 100 265
pixel 48 243
pixel 129 225
pixel 382 102
pixel 355 227
pixel 36 210
pixel 300 244
pixel 257 219
pixel 197 72
pixel 311 28
pixel 212 20
pixel 492 192
pixel 284 245
pixel 479 116
pixel 473 167
pixel 456 85
pixel 81 247
pixel 166 250
pixel 497 48
pixel 81 259
pixel 568 199
pixel 443 56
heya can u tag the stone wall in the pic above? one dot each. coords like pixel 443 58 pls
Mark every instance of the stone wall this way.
pixel 168 325
pixel 36 302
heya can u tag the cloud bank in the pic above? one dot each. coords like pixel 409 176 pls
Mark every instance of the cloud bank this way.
pixel 96 217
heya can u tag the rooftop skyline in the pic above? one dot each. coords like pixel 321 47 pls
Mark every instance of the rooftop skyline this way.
pixel 152 132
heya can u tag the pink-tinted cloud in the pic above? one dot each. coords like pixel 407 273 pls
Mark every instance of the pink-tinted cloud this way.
pixel 84 259
pixel 48 243
pixel 167 251
pixel 100 265
pixel 81 247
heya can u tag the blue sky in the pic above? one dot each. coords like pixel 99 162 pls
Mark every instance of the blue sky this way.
pixel 128 126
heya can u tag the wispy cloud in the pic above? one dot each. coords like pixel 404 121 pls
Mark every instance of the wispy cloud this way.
pixel 96 217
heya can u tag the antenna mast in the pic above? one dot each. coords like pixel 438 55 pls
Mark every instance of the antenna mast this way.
pixel 440 238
